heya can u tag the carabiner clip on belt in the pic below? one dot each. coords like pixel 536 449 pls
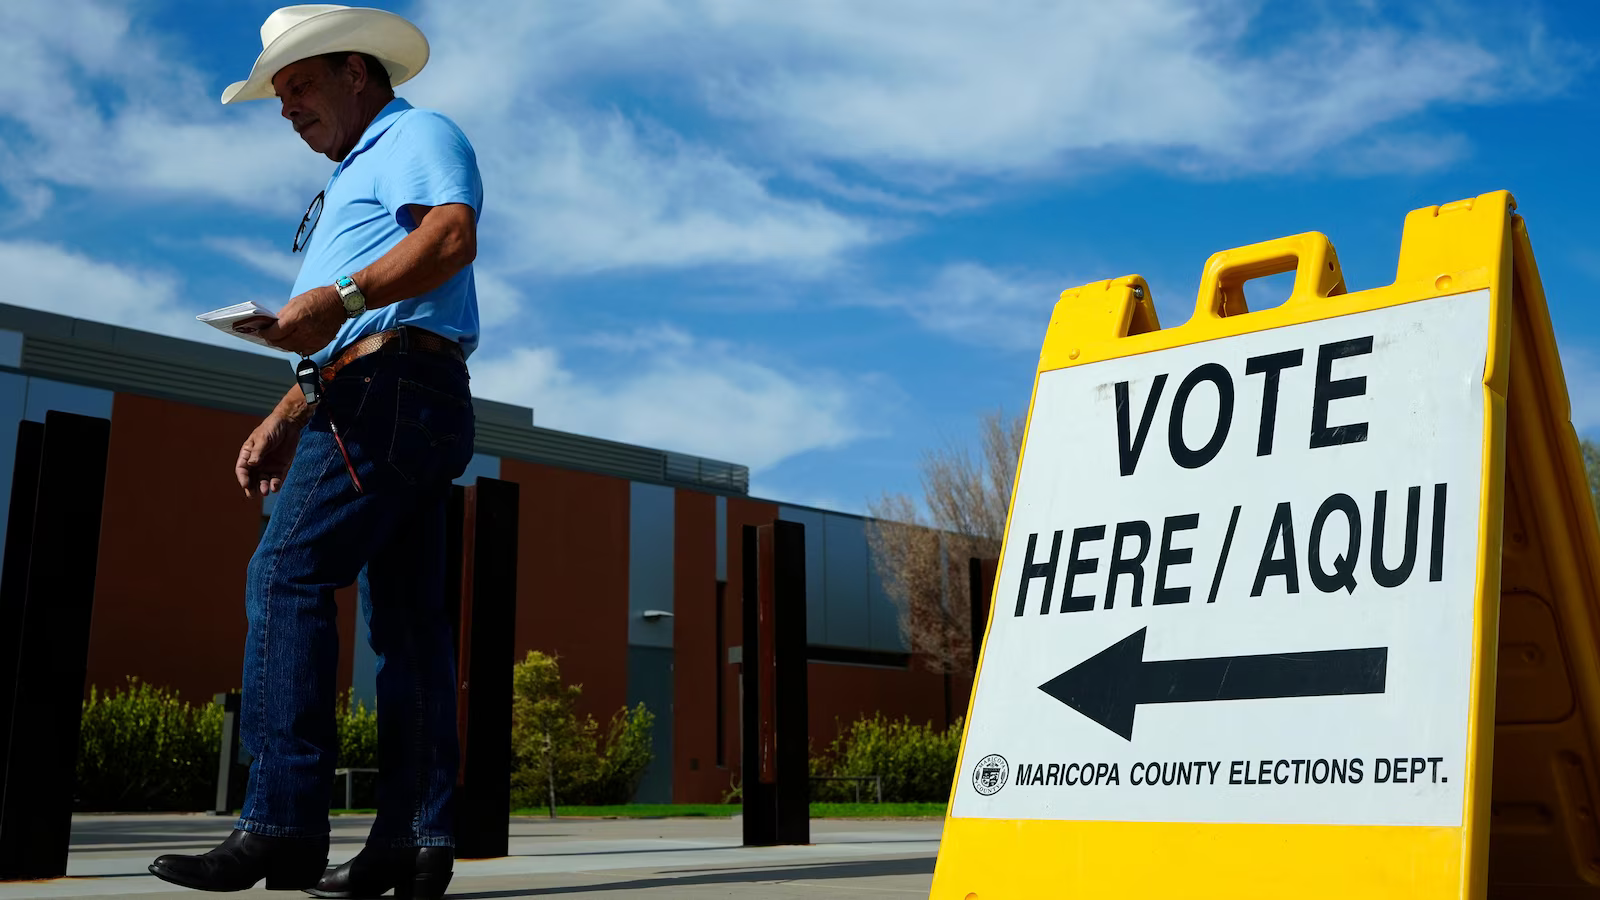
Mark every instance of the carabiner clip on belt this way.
pixel 310 379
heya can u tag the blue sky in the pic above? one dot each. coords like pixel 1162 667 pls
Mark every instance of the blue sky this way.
pixel 814 238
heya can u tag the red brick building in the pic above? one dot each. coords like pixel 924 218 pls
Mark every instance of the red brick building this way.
pixel 608 531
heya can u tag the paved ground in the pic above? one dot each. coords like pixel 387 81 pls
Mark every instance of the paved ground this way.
pixel 656 858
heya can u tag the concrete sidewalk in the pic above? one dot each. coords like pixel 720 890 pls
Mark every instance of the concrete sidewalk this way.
pixel 665 858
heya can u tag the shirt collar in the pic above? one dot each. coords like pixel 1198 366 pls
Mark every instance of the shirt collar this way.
pixel 386 117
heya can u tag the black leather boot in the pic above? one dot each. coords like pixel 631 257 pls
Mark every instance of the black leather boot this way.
pixel 288 864
pixel 415 873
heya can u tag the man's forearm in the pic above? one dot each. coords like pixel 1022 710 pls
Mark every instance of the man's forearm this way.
pixel 293 407
pixel 441 245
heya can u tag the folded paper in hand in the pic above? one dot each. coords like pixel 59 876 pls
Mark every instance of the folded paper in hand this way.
pixel 244 320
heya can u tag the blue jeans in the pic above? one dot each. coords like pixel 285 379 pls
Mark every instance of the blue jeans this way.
pixel 407 422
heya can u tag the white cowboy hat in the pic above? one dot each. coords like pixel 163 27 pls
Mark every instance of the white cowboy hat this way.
pixel 294 33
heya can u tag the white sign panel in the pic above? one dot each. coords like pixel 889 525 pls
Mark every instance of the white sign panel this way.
pixel 1239 582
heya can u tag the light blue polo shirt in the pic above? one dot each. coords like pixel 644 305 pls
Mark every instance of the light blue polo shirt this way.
pixel 406 156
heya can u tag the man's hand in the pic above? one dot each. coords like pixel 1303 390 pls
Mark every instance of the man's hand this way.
pixel 309 322
pixel 265 457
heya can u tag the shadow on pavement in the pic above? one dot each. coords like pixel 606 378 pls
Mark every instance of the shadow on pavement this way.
pixel 199 843
pixel 676 847
pixel 865 868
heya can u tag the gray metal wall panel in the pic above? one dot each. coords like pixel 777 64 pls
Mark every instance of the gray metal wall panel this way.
pixel 86 364
pixel 722 538
pixel 363 668
pixel 571 451
pixel 481 465
pixel 650 681
pixel 30 398
pixel 10 348
pixel 883 615
pixel 816 570
pixel 45 395
pixel 848 611
pixel 35 322
pixel 503 413
pixel 13 401
pixel 651 526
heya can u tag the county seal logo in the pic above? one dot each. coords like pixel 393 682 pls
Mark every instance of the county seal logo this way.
pixel 990 774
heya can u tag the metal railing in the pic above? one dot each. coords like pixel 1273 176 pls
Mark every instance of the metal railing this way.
pixel 350 784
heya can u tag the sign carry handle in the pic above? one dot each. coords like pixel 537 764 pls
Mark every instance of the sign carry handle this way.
pixel 1310 256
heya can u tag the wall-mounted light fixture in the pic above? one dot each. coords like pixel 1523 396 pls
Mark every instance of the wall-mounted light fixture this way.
pixel 651 615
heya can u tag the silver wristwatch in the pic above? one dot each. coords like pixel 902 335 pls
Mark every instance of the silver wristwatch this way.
pixel 355 303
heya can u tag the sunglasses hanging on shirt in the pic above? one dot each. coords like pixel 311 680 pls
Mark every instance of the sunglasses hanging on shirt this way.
pixel 308 223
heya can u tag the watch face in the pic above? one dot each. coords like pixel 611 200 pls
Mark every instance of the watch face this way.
pixel 354 302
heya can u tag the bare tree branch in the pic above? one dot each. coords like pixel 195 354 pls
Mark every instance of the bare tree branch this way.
pixel 922 551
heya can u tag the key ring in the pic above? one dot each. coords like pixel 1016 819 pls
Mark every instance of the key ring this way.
pixel 310 380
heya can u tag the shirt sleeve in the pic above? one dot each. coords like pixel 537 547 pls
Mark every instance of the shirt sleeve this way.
pixel 430 165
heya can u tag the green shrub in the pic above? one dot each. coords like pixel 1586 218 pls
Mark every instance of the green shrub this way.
pixel 143 748
pixel 358 734
pixel 619 761
pixel 357 729
pixel 916 763
pixel 550 741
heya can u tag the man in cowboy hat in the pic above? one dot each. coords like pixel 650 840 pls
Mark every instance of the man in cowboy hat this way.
pixel 384 314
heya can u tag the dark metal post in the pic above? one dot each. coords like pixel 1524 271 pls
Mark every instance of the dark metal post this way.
pixel 794 728
pixel 485 655
pixel 14 581
pixel 228 754
pixel 53 654
pixel 455 511
pixel 775 777
pixel 980 584
pixel 758 794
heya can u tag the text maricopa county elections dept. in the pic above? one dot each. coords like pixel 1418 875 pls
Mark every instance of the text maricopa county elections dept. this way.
pixel 1128 557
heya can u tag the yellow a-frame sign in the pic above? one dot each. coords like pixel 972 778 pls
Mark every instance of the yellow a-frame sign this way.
pixel 1280 589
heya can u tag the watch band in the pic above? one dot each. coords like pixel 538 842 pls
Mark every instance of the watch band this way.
pixel 355 302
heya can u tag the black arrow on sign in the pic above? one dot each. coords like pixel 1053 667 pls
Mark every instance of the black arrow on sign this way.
pixel 1108 686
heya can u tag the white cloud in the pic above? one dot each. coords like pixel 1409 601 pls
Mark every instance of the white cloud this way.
pixel 931 90
pixel 91 100
pixel 640 341
pixel 578 195
pixel 878 106
pixel 249 158
pixel 499 302
pixel 259 255
pixel 675 392
pixel 978 304
pixel 584 189
pixel 53 278
pixel 994 88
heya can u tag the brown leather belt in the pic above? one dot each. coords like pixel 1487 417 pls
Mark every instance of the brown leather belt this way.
pixel 411 338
